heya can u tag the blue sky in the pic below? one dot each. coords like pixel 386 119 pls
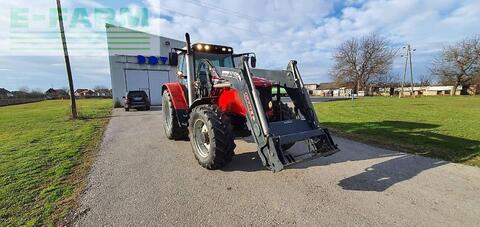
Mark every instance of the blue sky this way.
pixel 277 30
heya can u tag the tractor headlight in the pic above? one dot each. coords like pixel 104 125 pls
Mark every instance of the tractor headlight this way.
pixel 199 47
pixel 270 105
pixel 207 47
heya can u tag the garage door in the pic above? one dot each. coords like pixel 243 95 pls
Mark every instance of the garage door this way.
pixel 137 80
pixel 156 79
pixel 148 81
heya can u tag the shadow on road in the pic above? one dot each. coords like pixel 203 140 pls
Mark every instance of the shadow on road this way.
pixel 378 177
pixel 391 168
pixel 385 174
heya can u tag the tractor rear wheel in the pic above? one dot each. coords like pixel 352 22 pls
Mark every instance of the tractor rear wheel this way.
pixel 170 123
pixel 212 141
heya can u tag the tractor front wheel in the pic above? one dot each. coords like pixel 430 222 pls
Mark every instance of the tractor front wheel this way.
pixel 211 140
pixel 170 123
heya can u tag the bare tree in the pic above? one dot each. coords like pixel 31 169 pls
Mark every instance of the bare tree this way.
pixel 25 89
pixel 100 87
pixel 425 80
pixel 361 61
pixel 37 92
pixel 389 79
pixel 459 63
pixel 388 82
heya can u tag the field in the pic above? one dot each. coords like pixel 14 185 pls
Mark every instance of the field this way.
pixel 44 156
pixel 442 127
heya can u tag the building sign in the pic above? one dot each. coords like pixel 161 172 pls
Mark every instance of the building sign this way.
pixel 151 60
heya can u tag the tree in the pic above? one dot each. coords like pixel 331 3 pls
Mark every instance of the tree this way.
pixel 36 93
pixel 425 80
pixel 361 61
pixel 24 89
pixel 100 87
pixel 459 64
pixel 388 82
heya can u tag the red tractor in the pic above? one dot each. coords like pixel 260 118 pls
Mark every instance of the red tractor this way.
pixel 220 95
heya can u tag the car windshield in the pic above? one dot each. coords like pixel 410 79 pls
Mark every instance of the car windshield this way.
pixel 218 60
pixel 136 94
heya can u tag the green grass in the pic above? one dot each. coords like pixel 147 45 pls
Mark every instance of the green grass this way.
pixel 442 127
pixel 44 157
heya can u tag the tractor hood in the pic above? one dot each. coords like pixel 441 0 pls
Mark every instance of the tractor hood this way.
pixel 261 82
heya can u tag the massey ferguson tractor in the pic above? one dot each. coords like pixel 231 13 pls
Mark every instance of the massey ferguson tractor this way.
pixel 220 95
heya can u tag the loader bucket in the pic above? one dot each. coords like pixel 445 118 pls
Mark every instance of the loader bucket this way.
pixel 270 136
pixel 317 141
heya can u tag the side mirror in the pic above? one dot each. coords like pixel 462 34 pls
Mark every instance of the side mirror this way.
pixel 181 75
pixel 173 58
pixel 253 61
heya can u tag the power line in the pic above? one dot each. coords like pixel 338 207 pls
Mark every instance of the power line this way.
pixel 211 21
pixel 228 12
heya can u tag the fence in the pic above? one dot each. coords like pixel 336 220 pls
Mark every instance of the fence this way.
pixel 7 102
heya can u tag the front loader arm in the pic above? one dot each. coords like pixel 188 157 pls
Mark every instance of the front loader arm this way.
pixel 241 80
pixel 270 136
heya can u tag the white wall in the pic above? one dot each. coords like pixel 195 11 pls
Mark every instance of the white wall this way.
pixel 122 56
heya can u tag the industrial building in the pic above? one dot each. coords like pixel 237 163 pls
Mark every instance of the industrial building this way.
pixel 139 61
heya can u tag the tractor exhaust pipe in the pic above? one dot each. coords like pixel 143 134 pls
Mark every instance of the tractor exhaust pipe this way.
pixel 188 59
pixel 189 47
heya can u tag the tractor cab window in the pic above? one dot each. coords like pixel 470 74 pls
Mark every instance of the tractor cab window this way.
pixel 181 68
pixel 218 60
pixel 181 64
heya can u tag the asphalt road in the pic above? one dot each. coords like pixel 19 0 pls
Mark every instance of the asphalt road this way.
pixel 141 178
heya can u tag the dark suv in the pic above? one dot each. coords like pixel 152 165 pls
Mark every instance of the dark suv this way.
pixel 136 100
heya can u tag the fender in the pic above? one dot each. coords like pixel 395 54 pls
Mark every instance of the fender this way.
pixel 179 101
pixel 177 93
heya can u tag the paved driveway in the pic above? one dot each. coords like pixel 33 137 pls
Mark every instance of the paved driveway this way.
pixel 141 178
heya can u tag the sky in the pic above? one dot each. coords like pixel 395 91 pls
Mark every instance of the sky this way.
pixel 276 30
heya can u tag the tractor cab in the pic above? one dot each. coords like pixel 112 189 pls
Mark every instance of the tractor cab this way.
pixel 217 55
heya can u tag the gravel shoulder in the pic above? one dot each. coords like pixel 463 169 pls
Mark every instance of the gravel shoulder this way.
pixel 142 178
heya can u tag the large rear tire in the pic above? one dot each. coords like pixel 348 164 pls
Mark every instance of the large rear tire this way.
pixel 170 122
pixel 212 141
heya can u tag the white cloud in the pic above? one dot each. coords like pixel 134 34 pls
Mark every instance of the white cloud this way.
pixel 280 30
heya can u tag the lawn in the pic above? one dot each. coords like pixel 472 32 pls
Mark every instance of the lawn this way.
pixel 44 157
pixel 442 127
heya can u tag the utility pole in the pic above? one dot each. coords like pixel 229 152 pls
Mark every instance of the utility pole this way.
pixel 408 58
pixel 411 69
pixel 404 75
pixel 67 61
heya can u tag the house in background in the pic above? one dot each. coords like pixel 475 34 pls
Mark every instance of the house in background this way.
pixel 56 94
pixel 5 94
pixel 310 87
pixel 103 93
pixel 83 92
